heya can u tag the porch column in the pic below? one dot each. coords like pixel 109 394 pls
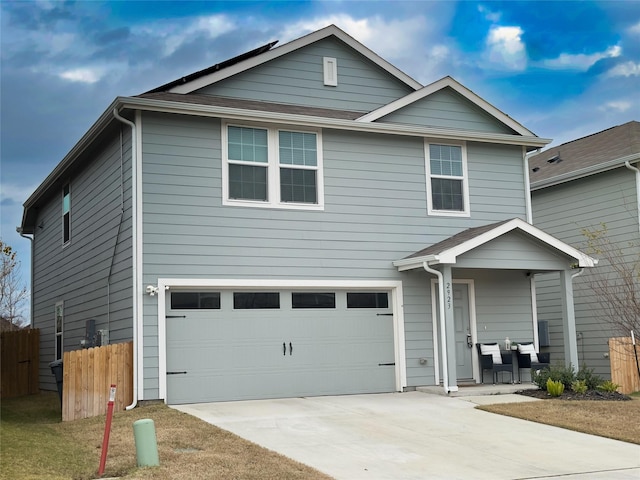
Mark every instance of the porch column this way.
pixel 568 320
pixel 450 328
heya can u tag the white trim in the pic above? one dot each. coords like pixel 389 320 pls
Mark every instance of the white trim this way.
pixel 286 48
pixel 450 256
pixel 397 302
pixel 473 326
pixel 527 186
pixel 330 70
pixel 466 212
pixel 534 313
pixel 459 88
pixel 246 115
pixel 273 168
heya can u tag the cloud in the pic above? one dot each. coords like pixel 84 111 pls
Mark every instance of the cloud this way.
pixel 505 49
pixel 493 17
pixel 634 29
pixel 581 61
pixel 626 69
pixel 83 75
pixel 617 106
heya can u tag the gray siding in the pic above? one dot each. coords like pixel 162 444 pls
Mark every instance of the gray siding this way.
pixel 375 212
pixel 297 78
pixel 447 108
pixel 92 274
pixel 565 210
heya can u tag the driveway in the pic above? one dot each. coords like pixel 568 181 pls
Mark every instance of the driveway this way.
pixel 416 435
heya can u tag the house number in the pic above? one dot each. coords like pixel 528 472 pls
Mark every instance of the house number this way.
pixel 448 296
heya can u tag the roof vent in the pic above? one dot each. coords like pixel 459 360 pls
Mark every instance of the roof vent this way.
pixel 554 159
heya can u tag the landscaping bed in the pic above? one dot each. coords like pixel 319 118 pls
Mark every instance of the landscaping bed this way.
pixel 569 395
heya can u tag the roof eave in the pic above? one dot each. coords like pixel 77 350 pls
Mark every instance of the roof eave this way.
pixel 584 172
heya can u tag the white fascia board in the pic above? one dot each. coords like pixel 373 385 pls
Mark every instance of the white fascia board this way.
pixel 245 115
pixel 458 87
pixel 584 172
pixel 415 262
pixel 290 47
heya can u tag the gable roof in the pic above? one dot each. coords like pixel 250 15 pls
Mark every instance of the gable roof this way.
pixel 211 75
pixel 446 82
pixel 585 156
pixel 449 249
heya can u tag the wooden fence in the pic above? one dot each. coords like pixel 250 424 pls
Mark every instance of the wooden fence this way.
pixel 624 370
pixel 88 375
pixel 19 357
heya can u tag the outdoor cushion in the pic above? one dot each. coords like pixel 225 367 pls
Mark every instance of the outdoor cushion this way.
pixel 491 349
pixel 527 349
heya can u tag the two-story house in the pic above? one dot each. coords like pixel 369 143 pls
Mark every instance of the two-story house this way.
pixel 299 220
pixel 587 193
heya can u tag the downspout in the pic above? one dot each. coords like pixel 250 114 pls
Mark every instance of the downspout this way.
pixel 443 334
pixel 628 165
pixel 136 322
pixel 19 230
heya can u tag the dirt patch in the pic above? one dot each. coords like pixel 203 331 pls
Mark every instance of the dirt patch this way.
pixel 570 395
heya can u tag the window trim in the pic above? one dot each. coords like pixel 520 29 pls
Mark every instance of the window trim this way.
pixel 466 212
pixel 58 355
pixel 273 166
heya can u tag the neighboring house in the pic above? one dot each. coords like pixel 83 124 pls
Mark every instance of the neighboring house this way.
pixel 286 223
pixel 591 183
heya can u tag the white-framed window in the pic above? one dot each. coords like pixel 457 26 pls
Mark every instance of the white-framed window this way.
pixel 272 167
pixel 447 179
pixel 66 214
pixel 58 328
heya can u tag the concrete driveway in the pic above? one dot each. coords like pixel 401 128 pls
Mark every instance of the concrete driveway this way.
pixel 416 435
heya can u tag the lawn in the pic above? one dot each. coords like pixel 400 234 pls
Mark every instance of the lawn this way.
pixel 35 444
pixel 611 419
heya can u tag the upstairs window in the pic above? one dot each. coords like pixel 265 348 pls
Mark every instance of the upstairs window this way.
pixel 268 167
pixel 66 214
pixel 447 187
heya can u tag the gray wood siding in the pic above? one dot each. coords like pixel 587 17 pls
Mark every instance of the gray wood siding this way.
pixel 447 108
pixel 78 274
pixel 297 78
pixel 375 212
pixel 564 211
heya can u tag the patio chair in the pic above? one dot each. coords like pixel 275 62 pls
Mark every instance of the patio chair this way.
pixel 528 358
pixel 491 358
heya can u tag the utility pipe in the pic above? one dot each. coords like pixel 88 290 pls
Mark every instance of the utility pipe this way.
pixel 443 334
pixel 634 169
pixel 19 230
pixel 137 323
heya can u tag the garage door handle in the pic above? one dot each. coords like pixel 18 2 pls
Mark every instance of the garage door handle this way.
pixel 290 348
pixel 386 364
pixel 176 373
pixel 284 348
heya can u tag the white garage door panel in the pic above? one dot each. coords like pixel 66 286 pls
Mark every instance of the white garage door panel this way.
pixel 238 354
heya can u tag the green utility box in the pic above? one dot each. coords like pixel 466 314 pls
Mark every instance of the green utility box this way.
pixel 144 432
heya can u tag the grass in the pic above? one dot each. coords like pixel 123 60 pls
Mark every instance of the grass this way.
pixel 35 444
pixel 610 419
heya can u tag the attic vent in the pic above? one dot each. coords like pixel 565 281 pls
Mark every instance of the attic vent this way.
pixel 555 159
pixel 330 66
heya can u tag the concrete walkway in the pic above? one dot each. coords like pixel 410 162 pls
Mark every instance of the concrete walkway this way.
pixel 415 435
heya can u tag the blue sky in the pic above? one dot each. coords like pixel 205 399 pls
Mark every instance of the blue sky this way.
pixel 562 69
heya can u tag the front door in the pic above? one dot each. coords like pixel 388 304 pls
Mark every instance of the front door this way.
pixel 464 344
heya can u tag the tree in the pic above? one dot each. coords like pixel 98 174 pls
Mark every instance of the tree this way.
pixel 616 282
pixel 13 292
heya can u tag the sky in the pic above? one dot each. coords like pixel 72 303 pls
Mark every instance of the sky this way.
pixel 562 69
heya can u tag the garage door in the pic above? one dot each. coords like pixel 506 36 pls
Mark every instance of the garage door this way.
pixel 236 345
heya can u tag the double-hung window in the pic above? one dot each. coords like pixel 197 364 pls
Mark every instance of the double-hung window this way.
pixel 59 323
pixel 66 214
pixel 447 185
pixel 272 167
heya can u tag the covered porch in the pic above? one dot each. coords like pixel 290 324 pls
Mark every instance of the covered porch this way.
pixel 490 269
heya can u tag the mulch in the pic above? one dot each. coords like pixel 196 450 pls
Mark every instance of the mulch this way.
pixel 569 395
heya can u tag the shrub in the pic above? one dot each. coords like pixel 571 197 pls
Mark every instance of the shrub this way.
pixel 557 373
pixel 579 386
pixel 591 380
pixel 608 386
pixel 555 388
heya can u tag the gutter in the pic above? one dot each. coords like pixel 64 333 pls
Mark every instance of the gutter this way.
pixel 137 320
pixel 634 169
pixel 443 334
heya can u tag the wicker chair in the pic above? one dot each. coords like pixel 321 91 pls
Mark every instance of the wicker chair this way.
pixel 487 361
pixel 525 360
